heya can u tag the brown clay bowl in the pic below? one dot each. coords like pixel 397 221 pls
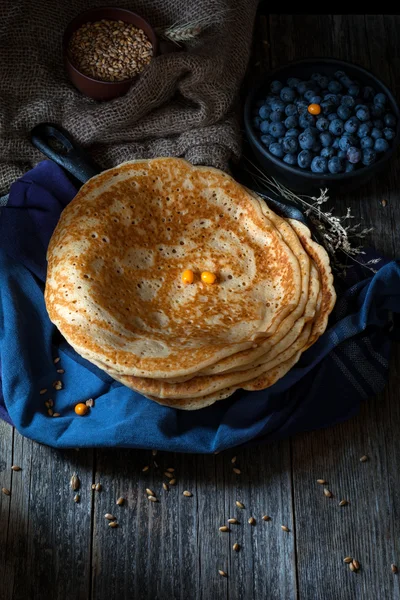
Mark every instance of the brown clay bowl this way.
pixel 93 88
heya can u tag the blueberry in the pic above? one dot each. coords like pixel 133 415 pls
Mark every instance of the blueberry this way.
pixel 277 116
pixel 316 77
pixel 276 149
pixel 335 144
pixel 290 110
pixel 333 98
pixel 340 74
pixel 334 87
pixel 304 159
pixel 360 105
pixel 267 140
pixel 390 120
pixel 327 107
pixel 290 159
pixel 302 106
pixel 344 112
pixel 316 100
pixel 377 110
pixel 287 94
pixel 293 82
pixel 264 111
pixel 278 105
pixel 354 90
pixel 368 157
pixel 341 154
pixel 291 122
pixel 322 124
pixel 347 101
pixel 332 116
pixel 354 155
pixel 323 82
pixel 389 133
pixel 327 152
pixel 381 145
pixel 306 140
pixel 363 130
pixel 346 81
pixel 367 142
pixel 316 147
pixel 376 133
pixel 319 164
pixel 363 114
pixel 349 167
pixel 257 122
pixel 336 127
pixel 335 165
pixel 308 95
pixel 301 87
pixel 306 120
pixel 380 99
pixel 326 139
pixel 352 125
pixel 264 126
pixel 277 130
pixel 292 133
pixel 368 92
pixel 345 143
pixel 290 145
pixel 276 87
pixel 270 99
pixel 378 123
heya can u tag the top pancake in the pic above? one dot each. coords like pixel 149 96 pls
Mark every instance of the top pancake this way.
pixel 116 257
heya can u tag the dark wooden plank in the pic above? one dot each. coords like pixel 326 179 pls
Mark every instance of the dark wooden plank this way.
pixel 6 444
pixel 48 546
pixel 173 548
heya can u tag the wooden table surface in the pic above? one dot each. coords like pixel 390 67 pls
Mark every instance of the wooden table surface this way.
pixel 54 549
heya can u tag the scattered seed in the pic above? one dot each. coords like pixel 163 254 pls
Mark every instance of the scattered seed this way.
pixel 239 504
pixel 113 524
pixel 222 573
pixel 356 564
pixel 233 460
pixel 224 528
pixel 57 385
pixel 168 474
pixel 50 412
pixel 154 452
pixel 233 521
pixel 348 559
pixel 266 518
pixel 43 391
pixel 172 482
pixel 77 498
pixel 384 202
pixel 98 487
pixel 60 371
pixel 74 482
pixel 47 404
pixel 251 521
pixel 364 458
pixel 394 569
pixel 171 470
pixel 165 487
pixel 152 498
pixel 90 403
pixel 16 468
pixel 155 464
pixel 352 567
pixel 237 471
pixel 50 401
pixel 321 481
pixel 327 493
pixel 109 517
pixel 6 492
pixel 236 547
pixel 120 501
pixel 343 503
pixel 146 468
pixel 187 494
pixel 149 492
pixel 56 360
pixel 285 528
pixel 56 415
pixel 93 486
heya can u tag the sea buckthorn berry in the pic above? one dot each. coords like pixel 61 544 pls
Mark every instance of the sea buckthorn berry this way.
pixel 208 277
pixel 81 409
pixel 314 109
pixel 188 276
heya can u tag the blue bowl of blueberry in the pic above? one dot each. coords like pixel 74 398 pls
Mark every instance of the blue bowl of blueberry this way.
pixel 322 123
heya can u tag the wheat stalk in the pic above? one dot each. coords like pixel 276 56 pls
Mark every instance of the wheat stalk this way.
pixel 335 232
pixel 188 31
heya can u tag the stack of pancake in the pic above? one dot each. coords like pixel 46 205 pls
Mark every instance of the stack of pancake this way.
pixel 114 284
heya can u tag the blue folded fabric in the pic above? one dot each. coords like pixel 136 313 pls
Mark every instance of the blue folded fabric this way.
pixel 348 364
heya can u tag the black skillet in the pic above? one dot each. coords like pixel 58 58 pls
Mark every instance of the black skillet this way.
pixel 57 144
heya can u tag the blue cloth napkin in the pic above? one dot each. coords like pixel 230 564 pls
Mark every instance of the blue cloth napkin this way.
pixel 347 365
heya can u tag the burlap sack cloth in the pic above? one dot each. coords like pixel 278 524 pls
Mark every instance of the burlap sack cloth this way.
pixel 182 106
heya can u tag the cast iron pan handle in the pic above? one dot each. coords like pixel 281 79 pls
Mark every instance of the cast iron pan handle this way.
pixel 57 144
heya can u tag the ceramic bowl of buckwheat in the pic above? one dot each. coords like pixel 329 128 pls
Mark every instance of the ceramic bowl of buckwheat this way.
pixel 106 49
